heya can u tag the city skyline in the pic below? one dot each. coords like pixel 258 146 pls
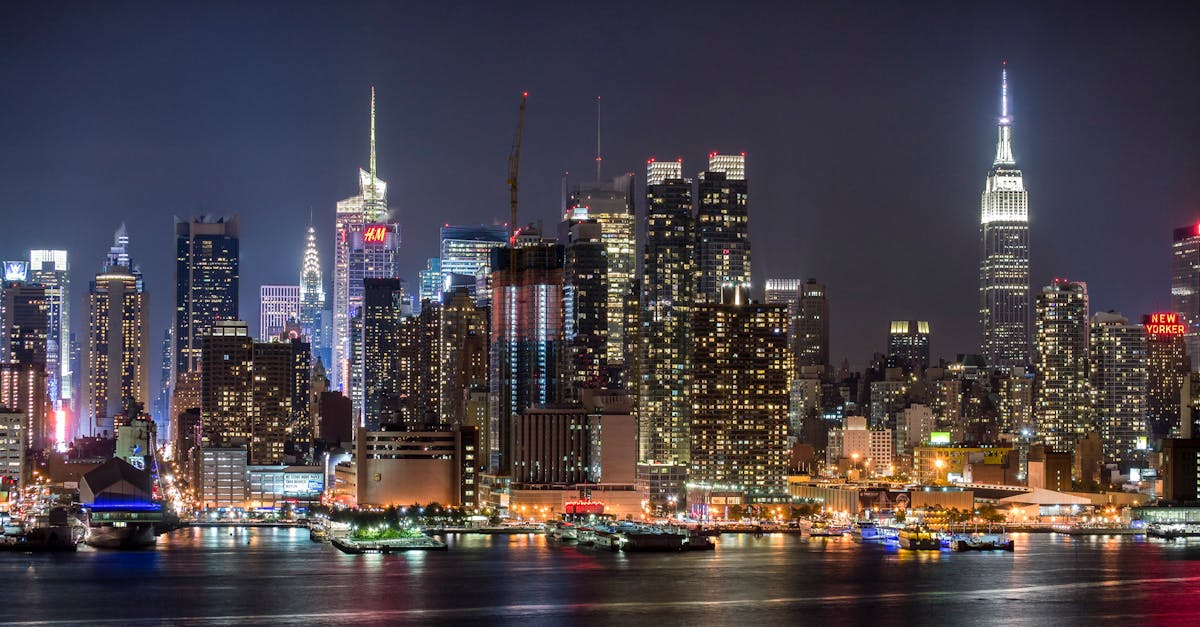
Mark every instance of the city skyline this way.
pixel 840 231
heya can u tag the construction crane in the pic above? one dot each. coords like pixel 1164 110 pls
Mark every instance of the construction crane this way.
pixel 514 164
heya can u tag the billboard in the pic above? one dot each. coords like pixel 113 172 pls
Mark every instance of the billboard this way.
pixel 16 271
pixel 375 234
pixel 1164 323
pixel 939 437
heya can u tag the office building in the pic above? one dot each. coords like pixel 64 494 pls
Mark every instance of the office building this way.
pixel 401 467
pixel 722 227
pixel 430 287
pixel 116 362
pixel 1004 245
pixel 312 297
pixel 592 442
pixel 1062 400
pixel 467 257
pixel 611 206
pixel 49 269
pixel 1167 366
pixel 665 339
pixel 1181 462
pixel 1117 373
pixel 1185 282
pixel 277 306
pixel 227 385
pixel 741 375
pixel 527 343
pixel 365 247
pixel 206 279
pixel 811 341
pixel 908 344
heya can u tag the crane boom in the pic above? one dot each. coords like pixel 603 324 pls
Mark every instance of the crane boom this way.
pixel 514 164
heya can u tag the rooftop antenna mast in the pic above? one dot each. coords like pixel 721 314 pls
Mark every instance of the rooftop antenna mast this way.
pixel 598 157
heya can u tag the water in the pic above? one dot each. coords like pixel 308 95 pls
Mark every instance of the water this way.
pixel 261 576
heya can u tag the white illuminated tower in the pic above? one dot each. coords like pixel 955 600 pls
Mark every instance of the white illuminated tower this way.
pixel 312 294
pixel 367 240
pixel 1004 259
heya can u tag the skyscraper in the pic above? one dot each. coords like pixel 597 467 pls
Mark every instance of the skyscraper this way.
pixel 1167 367
pixel 527 337
pixel 1185 283
pixel 467 256
pixel 722 227
pixel 206 282
pixel 664 387
pixel 1062 402
pixel 277 305
pixel 586 307
pixel 312 296
pixel 463 357
pixel 742 370
pixel 811 342
pixel 116 364
pixel 246 392
pixel 49 268
pixel 430 288
pixel 368 238
pixel 25 314
pixel 380 351
pixel 611 206
pixel 1117 373
pixel 1004 253
pixel 908 343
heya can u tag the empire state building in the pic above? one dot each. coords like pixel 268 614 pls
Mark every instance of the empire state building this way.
pixel 1004 253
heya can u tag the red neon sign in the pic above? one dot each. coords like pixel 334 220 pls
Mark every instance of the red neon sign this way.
pixel 1163 324
pixel 375 234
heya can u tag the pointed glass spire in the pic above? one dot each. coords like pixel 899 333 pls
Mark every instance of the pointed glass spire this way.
pixel 1004 152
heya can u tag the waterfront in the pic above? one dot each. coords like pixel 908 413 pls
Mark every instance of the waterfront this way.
pixel 257 576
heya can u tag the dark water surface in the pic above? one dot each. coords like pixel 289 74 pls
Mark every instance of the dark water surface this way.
pixel 273 576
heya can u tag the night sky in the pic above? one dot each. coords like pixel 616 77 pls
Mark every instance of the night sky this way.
pixel 869 131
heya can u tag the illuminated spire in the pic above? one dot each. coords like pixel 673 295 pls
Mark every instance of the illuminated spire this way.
pixel 1004 153
pixel 311 287
pixel 372 132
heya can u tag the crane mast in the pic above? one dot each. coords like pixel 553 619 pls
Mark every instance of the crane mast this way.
pixel 514 164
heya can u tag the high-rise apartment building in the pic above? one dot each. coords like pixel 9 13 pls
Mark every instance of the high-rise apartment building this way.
pixel 206 283
pixel 382 299
pixel 25 314
pixel 611 206
pixel 1117 373
pixel 246 392
pixel 1167 366
pixel 277 306
pixel 312 297
pixel 49 269
pixel 811 341
pixel 23 390
pixel 462 357
pixel 586 307
pixel 116 363
pixel 908 343
pixel 1062 402
pixel 527 337
pixel 722 227
pixel 665 342
pixel 365 247
pixel 742 370
pixel 1004 253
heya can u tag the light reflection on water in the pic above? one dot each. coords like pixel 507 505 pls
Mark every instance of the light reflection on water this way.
pixel 278 575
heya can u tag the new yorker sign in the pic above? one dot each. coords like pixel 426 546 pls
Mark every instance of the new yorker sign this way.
pixel 1164 324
